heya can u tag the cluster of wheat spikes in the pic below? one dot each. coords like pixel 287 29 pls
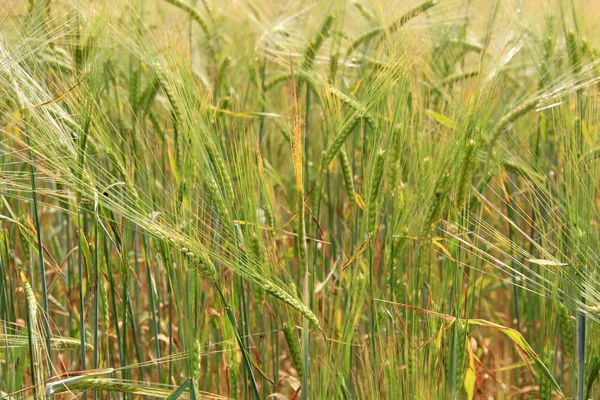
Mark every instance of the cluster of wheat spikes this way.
pixel 299 200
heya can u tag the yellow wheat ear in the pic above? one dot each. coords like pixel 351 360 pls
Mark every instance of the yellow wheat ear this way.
pixel 296 142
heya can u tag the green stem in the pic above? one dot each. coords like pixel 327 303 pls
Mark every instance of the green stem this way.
pixel 245 354
pixel 40 247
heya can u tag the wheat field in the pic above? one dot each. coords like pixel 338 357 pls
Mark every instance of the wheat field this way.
pixel 330 199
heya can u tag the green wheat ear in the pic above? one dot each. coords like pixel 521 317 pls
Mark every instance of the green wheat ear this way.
pixel 339 140
pixel 566 331
pixel 466 169
pixel 292 341
pixel 545 385
pixel 292 301
pixel 374 189
pixel 193 13
pixel 381 32
pixel 456 356
pixel 196 361
pixel 34 337
pixel 315 45
pixel 347 173
pixel 257 251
